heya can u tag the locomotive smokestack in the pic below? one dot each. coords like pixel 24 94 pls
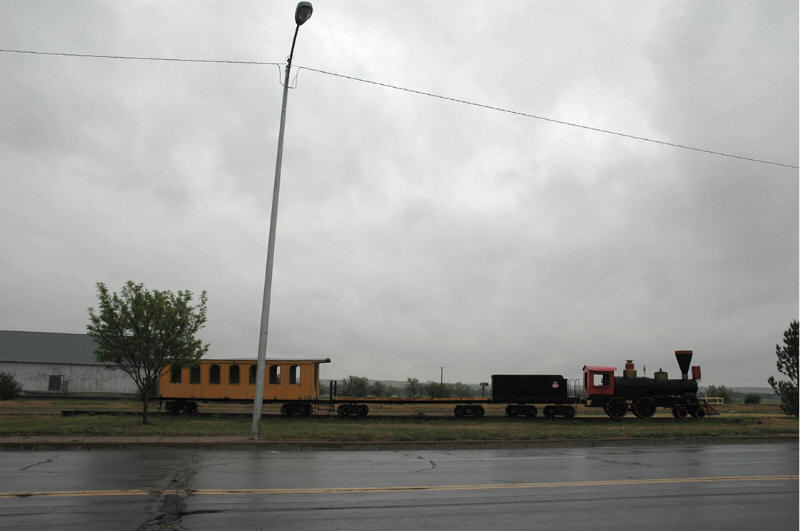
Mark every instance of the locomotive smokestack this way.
pixel 684 358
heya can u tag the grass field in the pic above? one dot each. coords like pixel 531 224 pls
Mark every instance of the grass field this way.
pixel 423 423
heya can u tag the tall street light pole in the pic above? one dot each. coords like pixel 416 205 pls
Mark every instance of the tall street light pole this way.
pixel 301 14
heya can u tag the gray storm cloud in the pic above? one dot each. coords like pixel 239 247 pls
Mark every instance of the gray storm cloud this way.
pixel 414 233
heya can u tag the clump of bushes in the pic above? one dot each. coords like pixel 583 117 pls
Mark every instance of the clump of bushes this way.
pixel 9 388
pixel 752 398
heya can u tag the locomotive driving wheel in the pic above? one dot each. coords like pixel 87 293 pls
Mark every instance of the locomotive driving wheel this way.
pixel 616 408
pixel 698 412
pixel 680 412
pixel 644 407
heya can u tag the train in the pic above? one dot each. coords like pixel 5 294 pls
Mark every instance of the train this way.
pixel 295 385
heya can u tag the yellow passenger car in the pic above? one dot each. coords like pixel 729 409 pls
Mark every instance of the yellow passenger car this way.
pixel 289 380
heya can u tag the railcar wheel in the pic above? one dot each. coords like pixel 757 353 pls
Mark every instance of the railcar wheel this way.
pixel 680 412
pixel 644 407
pixel 343 410
pixel 511 411
pixel 616 408
pixel 363 410
pixel 699 412
pixel 477 411
pixel 459 412
pixel 292 410
pixel 308 410
pixel 548 412
pixel 569 412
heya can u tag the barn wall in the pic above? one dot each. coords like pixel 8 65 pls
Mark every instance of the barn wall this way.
pixel 78 378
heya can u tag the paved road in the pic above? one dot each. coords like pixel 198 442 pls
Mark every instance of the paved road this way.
pixel 708 487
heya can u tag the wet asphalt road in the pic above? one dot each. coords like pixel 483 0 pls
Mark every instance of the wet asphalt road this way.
pixel 708 487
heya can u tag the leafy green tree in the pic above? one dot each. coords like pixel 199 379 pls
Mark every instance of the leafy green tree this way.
pixel 357 386
pixel 413 388
pixel 720 391
pixel 377 388
pixel 9 388
pixel 787 365
pixel 437 390
pixel 752 398
pixel 324 389
pixel 461 390
pixel 380 389
pixel 143 332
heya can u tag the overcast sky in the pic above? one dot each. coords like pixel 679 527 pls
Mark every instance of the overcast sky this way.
pixel 414 233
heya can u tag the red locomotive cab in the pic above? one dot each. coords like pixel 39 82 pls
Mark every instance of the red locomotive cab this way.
pixel 598 381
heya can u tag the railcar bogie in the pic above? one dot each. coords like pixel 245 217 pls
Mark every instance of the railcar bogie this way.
pixel 551 412
pixel 352 410
pixel 180 406
pixel 468 410
pixel 521 410
pixel 297 409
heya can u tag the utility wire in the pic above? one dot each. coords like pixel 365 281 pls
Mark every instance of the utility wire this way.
pixel 420 93
pixel 552 120
pixel 136 58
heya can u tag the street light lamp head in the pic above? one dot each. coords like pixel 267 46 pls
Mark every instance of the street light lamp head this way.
pixel 303 12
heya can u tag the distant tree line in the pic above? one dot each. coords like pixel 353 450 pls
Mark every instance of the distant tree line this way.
pixel 730 396
pixel 359 386
pixel 429 389
pixel 720 391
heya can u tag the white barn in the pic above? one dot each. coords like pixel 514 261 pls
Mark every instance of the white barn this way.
pixel 47 362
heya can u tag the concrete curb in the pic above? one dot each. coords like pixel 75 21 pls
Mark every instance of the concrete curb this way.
pixel 89 443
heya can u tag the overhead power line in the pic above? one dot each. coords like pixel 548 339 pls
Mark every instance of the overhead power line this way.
pixel 420 93
pixel 552 120
pixel 138 58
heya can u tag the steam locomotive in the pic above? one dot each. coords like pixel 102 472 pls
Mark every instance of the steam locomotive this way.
pixel 643 395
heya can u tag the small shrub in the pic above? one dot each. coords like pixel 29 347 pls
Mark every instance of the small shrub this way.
pixel 9 388
pixel 752 398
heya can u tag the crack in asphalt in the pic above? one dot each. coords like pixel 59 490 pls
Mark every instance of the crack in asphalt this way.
pixel 171 501
pixel 48 460
pixel 429 461
pixel 610 461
